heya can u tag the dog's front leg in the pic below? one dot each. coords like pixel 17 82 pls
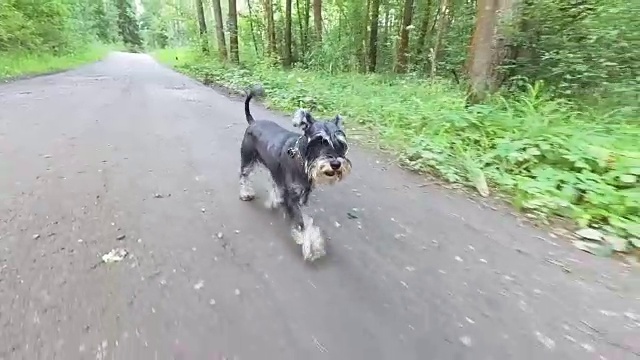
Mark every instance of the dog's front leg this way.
pixel 303 231
pixel 294 212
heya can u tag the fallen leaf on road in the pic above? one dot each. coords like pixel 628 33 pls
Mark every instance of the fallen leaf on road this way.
pixel 591 234
pixel 466 341
pixel 115 255
pixel 199 285
pixel 545 340
pixel 593 248
pixel 619 244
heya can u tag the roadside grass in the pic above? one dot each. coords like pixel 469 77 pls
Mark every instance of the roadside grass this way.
pixel 16 64
pixel 550 157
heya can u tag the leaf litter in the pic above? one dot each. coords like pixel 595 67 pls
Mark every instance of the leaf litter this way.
pixel 115 255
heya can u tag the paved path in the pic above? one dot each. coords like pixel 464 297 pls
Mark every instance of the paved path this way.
pixel 421 273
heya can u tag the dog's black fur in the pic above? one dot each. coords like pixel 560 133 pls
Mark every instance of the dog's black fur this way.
pixel 296 162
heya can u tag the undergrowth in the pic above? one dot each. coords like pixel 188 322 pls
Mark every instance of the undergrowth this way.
pixel 15 64
pixel 550 156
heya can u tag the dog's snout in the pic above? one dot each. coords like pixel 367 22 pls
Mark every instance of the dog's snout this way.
pixel 335 164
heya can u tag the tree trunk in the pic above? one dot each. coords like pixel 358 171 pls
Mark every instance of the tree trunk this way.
pixel 287 34
pixel 303 42
pixel 202 27
pixel 317 19
pixel 490 47
pixel 385 39
pixel 272 47
pixel 373 35
pixel 222 43
pixel 307 16
pixel 403 46
pixel 361 49
pixel 424 31
pixel 442 23
pixel 233 33
pixel 253 30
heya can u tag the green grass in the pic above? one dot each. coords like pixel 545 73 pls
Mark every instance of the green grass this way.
pixel 24 64
pixel 548 156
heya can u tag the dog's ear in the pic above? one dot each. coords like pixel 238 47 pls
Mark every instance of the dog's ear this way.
pixel 302 119
pixel 338 121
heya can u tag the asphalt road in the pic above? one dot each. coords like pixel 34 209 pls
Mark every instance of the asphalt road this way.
pixel 128 154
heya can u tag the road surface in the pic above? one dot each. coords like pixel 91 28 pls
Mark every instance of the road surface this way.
pixel 126 153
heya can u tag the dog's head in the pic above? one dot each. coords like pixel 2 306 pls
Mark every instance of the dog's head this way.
pixel 326 148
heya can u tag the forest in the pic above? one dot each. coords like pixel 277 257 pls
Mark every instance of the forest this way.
pixel 535 102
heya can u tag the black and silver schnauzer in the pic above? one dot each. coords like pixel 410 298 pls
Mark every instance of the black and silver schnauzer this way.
pixel 297 164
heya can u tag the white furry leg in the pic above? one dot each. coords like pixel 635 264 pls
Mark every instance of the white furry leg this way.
pixel 246 189
pixel 311 239
pixel 275 198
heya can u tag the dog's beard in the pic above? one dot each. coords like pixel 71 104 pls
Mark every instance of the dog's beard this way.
pixel 321 173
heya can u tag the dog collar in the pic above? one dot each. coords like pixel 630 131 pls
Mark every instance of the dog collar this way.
pixel 294 152
pixel 295 149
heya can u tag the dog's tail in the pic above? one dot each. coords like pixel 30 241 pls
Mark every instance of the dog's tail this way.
pixel 257 90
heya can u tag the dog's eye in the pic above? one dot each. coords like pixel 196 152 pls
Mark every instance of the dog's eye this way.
pixel 320 140
pixel 342 147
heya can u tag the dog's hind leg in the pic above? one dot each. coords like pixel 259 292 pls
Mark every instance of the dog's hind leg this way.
pixel 248 162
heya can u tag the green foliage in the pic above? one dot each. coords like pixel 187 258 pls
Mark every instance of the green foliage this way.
pixel 103 17
pixel 154 25
pixel 583 50
pixel 64 28
pixel 39 36
pixel 31 63
pixel 553 157
pixel 128 26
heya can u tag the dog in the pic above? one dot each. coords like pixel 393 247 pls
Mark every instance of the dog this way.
pixel 297 164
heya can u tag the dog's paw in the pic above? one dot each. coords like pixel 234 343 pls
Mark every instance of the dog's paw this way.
pixel 246 191
pixel 247 196
pixel 274 201
pixel 298 236
pixel 311 240
pixel 314 247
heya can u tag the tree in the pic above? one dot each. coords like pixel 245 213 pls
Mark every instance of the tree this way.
pixel 233 32
pixel 489 47
pixel 202 26
pixel 287 60
pixel 403 46
pixel 361 45
pixel 104 22
pixel 222 44
pixel 271 28
pixel 303 24
pixel 424 31
pixel 441 24
pixel 128 25
pixel 317 19
pixel 373 35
